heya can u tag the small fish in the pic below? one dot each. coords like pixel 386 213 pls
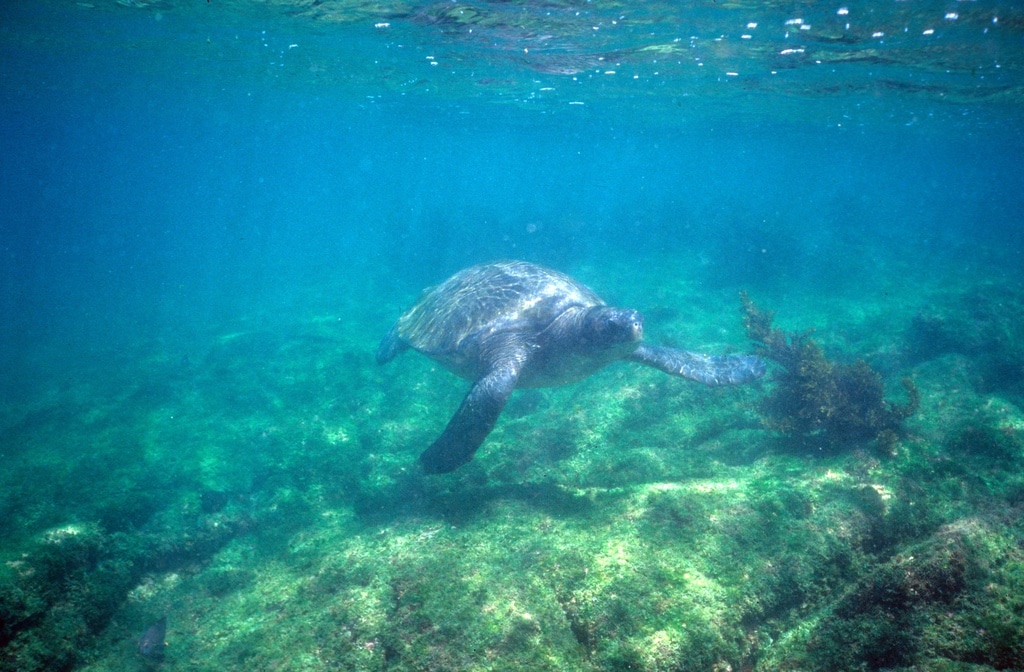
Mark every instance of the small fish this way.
pixel 152 643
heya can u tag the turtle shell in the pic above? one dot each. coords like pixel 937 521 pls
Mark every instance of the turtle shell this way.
pixel 451 319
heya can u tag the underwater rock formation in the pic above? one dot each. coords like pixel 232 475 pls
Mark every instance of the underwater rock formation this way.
pixel 982 324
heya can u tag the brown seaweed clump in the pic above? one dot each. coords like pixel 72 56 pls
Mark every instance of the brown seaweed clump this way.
pixel 818 399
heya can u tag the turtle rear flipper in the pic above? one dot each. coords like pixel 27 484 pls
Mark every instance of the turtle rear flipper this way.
pixel 390 346
pixel 707 369
pixel 476 416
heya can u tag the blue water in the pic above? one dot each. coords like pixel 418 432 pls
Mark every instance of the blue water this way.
pixel 165 165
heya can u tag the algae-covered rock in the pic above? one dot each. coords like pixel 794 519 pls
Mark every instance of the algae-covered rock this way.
pixel 939 604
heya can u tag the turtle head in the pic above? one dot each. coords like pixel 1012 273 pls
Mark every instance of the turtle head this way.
pixel 607 327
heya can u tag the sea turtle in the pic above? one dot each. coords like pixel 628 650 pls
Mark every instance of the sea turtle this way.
pixel 512 324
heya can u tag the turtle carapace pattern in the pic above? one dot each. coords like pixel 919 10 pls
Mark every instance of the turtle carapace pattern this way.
pixel 512 324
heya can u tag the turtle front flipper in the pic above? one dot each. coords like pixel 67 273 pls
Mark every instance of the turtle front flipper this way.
pixel 707 369
pixel 474 420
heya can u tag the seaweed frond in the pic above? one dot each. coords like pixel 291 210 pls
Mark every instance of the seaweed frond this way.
pixel 814 396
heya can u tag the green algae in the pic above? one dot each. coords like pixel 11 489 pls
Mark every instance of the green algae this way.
pixel 626 522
